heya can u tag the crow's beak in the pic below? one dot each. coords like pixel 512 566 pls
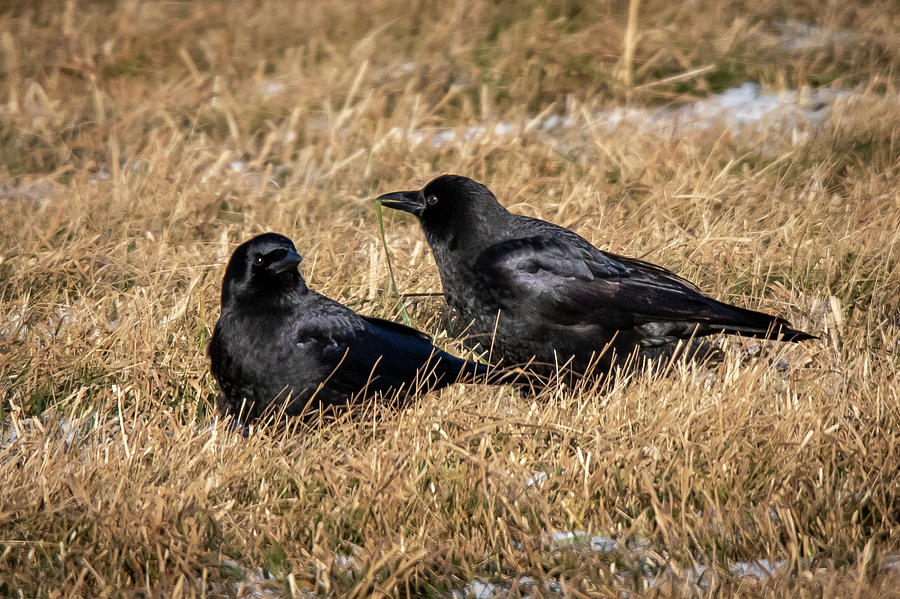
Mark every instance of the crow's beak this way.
pixel 290 260
pixel 408 201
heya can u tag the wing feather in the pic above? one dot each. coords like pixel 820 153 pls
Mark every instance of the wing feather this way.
pixel 571 283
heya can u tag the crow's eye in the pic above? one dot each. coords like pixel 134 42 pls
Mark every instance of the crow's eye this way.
pixel 431 200
pixel 258 261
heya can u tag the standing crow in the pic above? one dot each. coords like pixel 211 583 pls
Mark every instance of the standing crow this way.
pixel 537 291
pixel 278 342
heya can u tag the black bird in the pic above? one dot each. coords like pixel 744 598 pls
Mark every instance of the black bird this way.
pixel 279 344
pixel 537 291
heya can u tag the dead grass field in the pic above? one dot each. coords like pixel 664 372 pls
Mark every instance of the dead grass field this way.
pixel 141 141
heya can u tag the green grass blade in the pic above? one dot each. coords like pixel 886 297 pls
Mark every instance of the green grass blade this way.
pixel 404 315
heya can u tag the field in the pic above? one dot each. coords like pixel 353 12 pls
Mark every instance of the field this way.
pixel 140 142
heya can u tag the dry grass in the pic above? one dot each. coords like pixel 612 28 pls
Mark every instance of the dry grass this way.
pixel 120 202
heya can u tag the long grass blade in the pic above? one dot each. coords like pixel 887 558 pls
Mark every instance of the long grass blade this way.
pixel 404 315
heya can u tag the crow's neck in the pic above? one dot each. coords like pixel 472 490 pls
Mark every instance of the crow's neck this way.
pixel 456 250
pixel 278 299
pixel 468 233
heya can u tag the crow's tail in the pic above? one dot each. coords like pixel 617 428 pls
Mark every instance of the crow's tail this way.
pixel 724 318
pixel 466 371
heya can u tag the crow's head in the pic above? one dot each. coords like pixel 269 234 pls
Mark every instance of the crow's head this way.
pixel 262 268
pixel 450 206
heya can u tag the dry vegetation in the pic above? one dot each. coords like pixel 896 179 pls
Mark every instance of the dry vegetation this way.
pixel 140 141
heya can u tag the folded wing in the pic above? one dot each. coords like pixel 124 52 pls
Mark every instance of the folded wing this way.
pixel 575 283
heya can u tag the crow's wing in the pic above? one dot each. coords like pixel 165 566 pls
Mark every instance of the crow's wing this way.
pixel 362 352
pixel 571 283
pixel 408 352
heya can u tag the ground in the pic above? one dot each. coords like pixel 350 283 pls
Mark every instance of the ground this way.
pixel 753 148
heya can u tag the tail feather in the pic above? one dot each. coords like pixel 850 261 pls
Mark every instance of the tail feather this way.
pixel 733 320
pixel 466 371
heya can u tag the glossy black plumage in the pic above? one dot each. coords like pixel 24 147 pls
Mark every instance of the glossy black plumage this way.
pixel 535 290
pixel 279 342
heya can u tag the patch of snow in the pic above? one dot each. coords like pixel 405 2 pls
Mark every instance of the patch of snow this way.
pixel 474 132
pixel 416 137
pixel 256 585
pixel 649 563
pixel 253 584
pixel 102 175
pixel 502 128
pixel 269 89
pixel 582 540
pixel 568 538
pixel 443 138
pixel 11 434
pixel 38 192
pixel 536 480
pixel 604 544
pixel 748 104
pixel 737 110
pixel 746 108
pixel 759 568
pixel 612 119
pixel 478 590
pixel 68 429
pixel 483 590
pixel 345 562
pixel 499 129
pixel 555 121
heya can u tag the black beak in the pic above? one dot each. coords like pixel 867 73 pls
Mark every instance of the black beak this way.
pixel 290 260
pixel 408 201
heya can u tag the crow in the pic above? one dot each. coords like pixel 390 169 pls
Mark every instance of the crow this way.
pixel 278 344
pixel 535 291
